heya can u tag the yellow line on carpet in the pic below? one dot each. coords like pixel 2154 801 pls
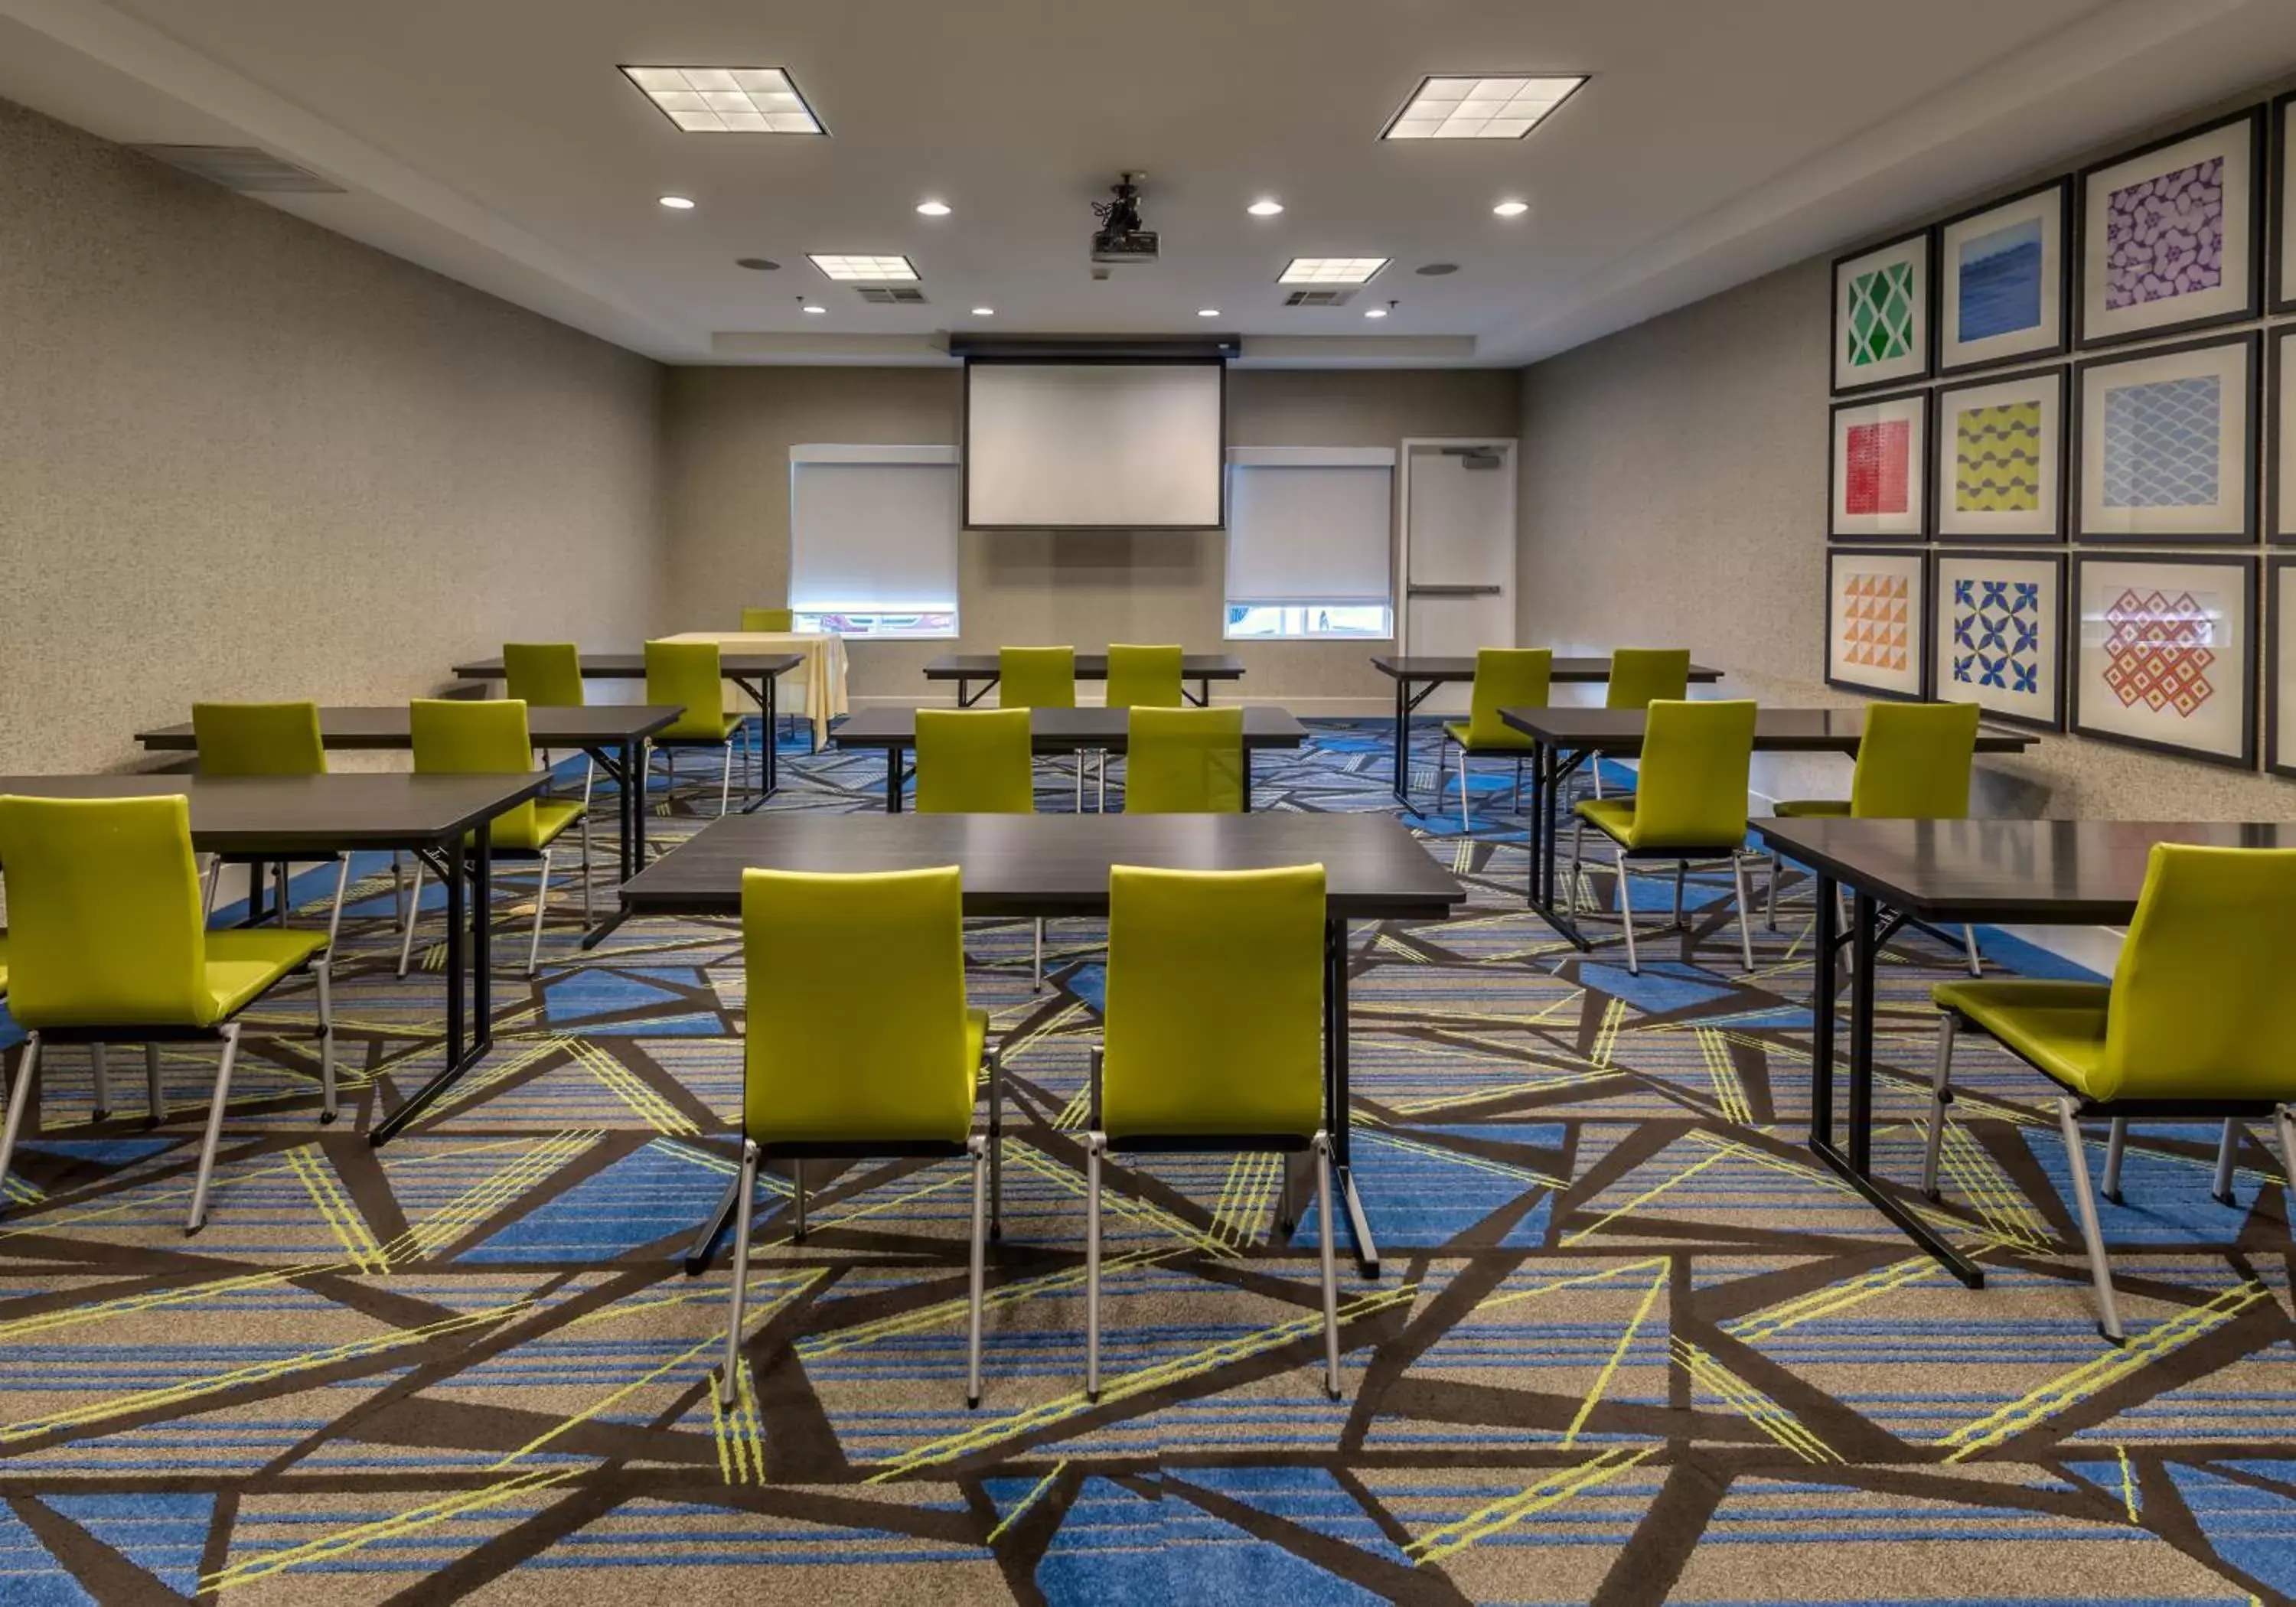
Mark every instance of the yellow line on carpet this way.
pixel 1551 1491
pixel 1625 1341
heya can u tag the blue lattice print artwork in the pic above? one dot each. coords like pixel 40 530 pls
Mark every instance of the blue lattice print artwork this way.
pixel 1997 634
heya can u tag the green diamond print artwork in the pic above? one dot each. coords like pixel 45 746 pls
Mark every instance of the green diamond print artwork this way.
pixel 1882 314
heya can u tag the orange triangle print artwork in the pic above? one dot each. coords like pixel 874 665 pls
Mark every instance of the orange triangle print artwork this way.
pixel 1876 616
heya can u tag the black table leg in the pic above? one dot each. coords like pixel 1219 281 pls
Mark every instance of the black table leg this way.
pixel 1825 988
pixel 482 876
pixel 1336 1095
pixel 1862 951
pixel 1402 746
pixel 620 763
pixel 893 780
pixel 449 864
pixel 1203 694
pixel 1554 768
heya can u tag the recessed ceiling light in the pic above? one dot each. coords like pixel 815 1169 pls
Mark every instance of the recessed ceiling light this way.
pixel 1435 270
pixel 1479 109
pixel 677 204
pixel 933 208
pixel 861 268
pixel 726 100
pixel 1266 208
pixel 1374 312
pixel 1207 312
pixel 1331 270
pixel 1512 209
pixel 760 265
pixel 984 312
pixel 810 308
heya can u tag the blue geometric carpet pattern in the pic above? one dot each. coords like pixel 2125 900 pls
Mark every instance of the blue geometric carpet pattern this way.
pixel 1629 1343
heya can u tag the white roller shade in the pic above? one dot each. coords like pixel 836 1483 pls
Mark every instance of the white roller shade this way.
pixel 873 529
pixel 1309 528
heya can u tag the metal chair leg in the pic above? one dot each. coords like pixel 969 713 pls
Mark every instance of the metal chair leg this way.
pixel 1681 873
pixel 1465 828
pixel 99 1058
pixel 320 975
pixel 588 775
pixel 27 1064
pixel 1569 898
pixel 2115 1146
pixel 1595 769
pixel 335 915
pixel 980 1275
pixel 1940 1095
pixel 197 1219
pixel 2227 1147
pixel 1094 1144
pixel 215 874
pixel 997 1143
pixel 1770 897
pixel 413 914
pixel 155 1093
pixel 1626 906
pixel 725 782
pixel 1745 912
pixel 1322 1145
pixel 541 901
pixel 744 1205
pixel 1036 976
pixel 2100 1269
pixel 797 1200
pixel 399 905
pixel 1969 943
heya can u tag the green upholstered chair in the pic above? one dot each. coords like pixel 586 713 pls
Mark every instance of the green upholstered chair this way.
pixel 1214 1022
pixel 268 739
pixel 1144 676
pixel 769 618
pixel 2196 1025
pixel 1184 761
pixel 976 761
pixel 547 675
pixel 462 736
pixel 859 1044
pixel 1040 678
pixel 1640 677
pixel 1505 677
pixel 690 674
pixel 107 946
pixel 1690 805
pixel 1914 763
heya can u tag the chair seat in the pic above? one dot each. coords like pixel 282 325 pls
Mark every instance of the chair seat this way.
pixel 700 730
pixel 2058 1027
pixel 1614 818
pixel 552 817
pixel 241 964
pixel 861 1136
pixel 1804 808
pixel 1513 742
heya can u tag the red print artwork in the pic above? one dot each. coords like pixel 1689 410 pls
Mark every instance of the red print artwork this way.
pixel 1878 458
pixel 2157 652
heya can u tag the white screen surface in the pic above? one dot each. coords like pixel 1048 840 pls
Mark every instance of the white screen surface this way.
pixel 1124 446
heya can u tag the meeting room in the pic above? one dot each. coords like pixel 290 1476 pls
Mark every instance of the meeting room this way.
pixel 1325 801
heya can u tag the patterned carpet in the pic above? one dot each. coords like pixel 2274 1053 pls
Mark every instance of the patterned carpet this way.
pixel 1631 1345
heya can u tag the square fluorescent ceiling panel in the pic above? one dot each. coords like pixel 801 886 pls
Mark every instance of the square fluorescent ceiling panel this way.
pixel 864 269
pixel 726 100
pixel 1479 109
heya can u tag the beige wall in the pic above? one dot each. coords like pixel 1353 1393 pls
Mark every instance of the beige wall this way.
pixel 730 430
pixel 243 457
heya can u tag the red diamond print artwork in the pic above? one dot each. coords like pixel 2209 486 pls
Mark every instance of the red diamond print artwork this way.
pixel 2158 651
pixel 1875 631
pixel 1879 469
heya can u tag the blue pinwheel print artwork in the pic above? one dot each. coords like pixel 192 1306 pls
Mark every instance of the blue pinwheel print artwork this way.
pixel 1996 634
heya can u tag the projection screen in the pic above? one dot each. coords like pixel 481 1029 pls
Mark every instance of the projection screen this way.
pixel 1094 445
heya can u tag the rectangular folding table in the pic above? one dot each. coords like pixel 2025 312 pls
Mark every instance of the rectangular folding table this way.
pixel 966 667
pixel 293 816
pixel 1952 873
pixel 1056 865
pixel 1052 731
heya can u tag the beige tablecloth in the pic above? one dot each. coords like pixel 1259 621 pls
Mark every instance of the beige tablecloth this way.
pixel 815 687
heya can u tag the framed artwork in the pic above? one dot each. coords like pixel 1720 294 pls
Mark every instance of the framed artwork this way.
pixel 1877 477
pixel 2005 274
pixel 2280 403
pixel 2280 669
pixel 2169 236
pixel 2001 458
pixel 1876 619
pixel 2164 446
pixel 2283 245
pixel 1882 314
pixel 1998 639
pixel 2164 654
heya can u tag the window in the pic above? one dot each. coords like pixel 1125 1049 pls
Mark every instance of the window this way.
pixel 1309 541
pixel 872 540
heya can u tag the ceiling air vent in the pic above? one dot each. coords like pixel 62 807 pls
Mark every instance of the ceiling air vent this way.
pixel 891 295
pixel 1320 298
pixel 240 168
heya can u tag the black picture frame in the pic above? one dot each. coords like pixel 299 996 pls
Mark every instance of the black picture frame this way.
pixel 2274 623
pixel 2277 426
pixel 1940 412
pixel 1933 672
pixel 1924 470
pixel 1923 628
pixel 2253 309
pixel 1928 316
pixel 2277 260
pixel 2247 564
pixel 2076 475
pixel 2067 248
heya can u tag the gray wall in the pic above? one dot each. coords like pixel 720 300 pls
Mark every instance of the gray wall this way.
pixel 730 430
pixel 243 457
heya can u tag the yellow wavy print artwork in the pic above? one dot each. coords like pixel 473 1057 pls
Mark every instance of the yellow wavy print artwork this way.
pixel 1997 462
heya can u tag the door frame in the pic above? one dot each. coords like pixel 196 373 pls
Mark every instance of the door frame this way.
pixel 1505 445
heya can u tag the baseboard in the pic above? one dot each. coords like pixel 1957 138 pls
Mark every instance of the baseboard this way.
pixel 1306 708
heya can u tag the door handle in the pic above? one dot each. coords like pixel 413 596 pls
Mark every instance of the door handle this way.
pixel 1429 590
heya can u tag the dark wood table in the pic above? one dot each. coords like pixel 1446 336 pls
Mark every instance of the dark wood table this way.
pixel 1953 873
pixel 1054 865
pixel 755 673
pixel 1565 739
pixel 1426 673
pixel 287 817
pixel 1052 731
pixel 966 667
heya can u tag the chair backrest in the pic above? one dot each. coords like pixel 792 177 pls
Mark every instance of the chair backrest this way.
pixel 1914 761
pixel 1143 677
pixel 477 736
pixel 687 673
pixel 1184 761
pixel 2202 1007
pixel 1507 677
pixel 103 913
pixel 545 673
pixel 769 618
pixel 1215 1003
pixel 974 761
pixel 1640 675
pixel 856 1006
pixel 258 739
pixel 1690 789
pixel 1035 677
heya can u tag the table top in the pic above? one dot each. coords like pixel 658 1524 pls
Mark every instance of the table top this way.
pixel 251 813
pixel 631 666
pixel 2060 871
pixel 1620 731
pixel 1572 670
pixel 1089 667
pixel 1059 730
pixel 548 724
pixel 1054 864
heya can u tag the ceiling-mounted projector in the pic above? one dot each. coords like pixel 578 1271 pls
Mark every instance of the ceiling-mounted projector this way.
pixel 1121 239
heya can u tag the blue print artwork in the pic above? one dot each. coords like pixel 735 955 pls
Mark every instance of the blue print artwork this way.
pixel 1997 634
pixel 2001 281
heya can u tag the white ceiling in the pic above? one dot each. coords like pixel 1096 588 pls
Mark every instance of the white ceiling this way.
pixel 495 140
